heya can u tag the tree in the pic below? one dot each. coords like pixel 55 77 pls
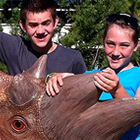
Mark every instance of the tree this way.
pixel 134 7
pixel 2 2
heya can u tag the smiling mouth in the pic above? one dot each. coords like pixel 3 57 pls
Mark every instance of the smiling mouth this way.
pixel 115 59
pixel 40 36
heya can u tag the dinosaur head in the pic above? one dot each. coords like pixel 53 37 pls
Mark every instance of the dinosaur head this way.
pixel 19 103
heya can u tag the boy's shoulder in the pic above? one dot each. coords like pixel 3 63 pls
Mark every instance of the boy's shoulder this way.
pixel 68 50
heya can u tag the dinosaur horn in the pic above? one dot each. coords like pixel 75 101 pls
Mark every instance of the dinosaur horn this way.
pixel 38 70
pixel 22 91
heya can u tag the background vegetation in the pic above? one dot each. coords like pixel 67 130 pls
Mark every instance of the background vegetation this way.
pixel 87 18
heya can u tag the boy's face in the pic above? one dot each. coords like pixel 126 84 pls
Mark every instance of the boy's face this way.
pixel 39 27
pixel 119 46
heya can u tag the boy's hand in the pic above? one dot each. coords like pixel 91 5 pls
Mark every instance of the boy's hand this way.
pixel 54 82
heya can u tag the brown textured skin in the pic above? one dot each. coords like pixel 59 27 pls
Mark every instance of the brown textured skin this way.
pixel 27 113
pixel 19 102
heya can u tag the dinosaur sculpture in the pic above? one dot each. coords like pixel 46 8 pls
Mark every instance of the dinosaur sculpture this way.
pixel 27 113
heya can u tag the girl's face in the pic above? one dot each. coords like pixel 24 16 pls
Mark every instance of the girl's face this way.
pixel 119 47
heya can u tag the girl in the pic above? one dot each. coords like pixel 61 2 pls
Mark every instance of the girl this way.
pixel 120 78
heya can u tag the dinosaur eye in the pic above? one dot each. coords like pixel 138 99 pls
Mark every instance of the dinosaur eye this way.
pixel 18 125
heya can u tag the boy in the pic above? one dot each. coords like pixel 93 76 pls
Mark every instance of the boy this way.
pixel 38 21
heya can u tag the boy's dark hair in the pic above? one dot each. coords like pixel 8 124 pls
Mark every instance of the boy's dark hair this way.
pixel 37 6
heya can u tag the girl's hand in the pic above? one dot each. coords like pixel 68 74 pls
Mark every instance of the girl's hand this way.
pixel 108 81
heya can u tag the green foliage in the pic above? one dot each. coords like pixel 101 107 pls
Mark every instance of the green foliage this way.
pixel 2 2
pixel 14 21
pixel 1 21
pixel 134 7
pixel 136 58
pixel 3 67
